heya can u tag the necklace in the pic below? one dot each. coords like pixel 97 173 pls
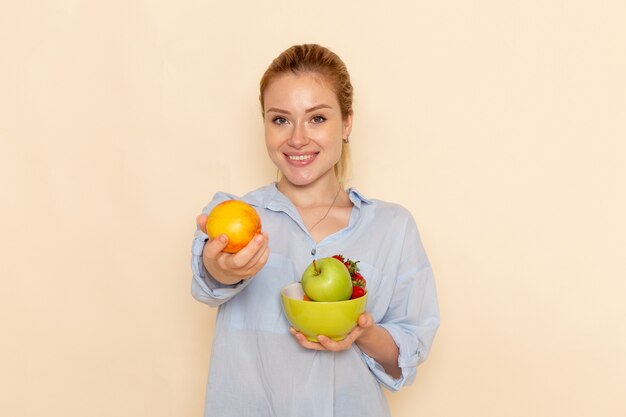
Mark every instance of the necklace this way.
pixel 327 211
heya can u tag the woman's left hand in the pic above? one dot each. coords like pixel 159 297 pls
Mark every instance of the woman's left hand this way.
pixel 364 324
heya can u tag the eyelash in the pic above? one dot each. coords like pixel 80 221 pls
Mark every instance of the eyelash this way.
pixel 279 120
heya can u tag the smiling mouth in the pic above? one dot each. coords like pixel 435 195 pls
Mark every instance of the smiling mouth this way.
pixel 301 157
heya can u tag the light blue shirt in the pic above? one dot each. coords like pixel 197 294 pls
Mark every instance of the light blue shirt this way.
pixel 257 367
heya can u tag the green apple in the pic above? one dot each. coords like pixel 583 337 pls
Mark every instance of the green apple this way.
pixel 327 279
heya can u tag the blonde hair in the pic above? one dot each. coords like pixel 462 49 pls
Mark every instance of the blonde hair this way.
pixel 313 58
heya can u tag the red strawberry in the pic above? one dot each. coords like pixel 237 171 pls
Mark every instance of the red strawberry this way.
pixel 358 282
pixel 357 279
pixel 357 292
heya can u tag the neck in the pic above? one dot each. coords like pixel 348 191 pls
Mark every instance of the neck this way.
pixel 311 195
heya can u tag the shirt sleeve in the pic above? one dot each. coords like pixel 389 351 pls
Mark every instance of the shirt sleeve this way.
pixel 412 318
pixel 204 287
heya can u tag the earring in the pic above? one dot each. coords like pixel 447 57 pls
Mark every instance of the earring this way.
pixel 346 139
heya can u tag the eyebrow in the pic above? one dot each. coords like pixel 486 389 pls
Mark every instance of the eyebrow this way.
pixel 320 106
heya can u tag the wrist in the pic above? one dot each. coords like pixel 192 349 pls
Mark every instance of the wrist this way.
pixel 223 280
pixel 368 333
pixel 229 281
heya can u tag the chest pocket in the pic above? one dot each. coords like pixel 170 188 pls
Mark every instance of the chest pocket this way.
pixel 378 290
pixel 258 306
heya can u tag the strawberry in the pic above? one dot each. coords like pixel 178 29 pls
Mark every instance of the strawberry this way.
pixel 357 292
pixel 352 266
pixel 358 280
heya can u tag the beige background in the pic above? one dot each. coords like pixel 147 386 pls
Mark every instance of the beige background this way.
pixel 499 124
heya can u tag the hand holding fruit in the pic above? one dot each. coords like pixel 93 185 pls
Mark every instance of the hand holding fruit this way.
pixel 364 324
pixel 235 219
pixel 230 268
pixel 333 280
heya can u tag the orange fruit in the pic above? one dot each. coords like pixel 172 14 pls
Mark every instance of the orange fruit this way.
pixel 235 219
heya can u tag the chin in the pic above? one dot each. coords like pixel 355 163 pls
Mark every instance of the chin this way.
pixel 299 181
pixel 302 177
pixel 297 178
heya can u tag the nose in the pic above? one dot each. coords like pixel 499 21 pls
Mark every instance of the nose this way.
pixel 299 137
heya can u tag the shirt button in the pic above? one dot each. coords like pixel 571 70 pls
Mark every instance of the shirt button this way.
pixel 313 251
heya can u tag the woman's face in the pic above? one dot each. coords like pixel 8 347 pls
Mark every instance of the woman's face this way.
pixel 304 127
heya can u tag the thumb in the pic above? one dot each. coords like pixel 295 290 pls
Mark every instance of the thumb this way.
pixel 365 320
pixel 214 247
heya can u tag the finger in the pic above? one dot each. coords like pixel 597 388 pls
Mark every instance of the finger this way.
pixel 264 257
pixel 365 320
pixel 240 259
pixel 253 269
pixel 201 222
pixel 344 344
pixel 333 346
pixel 213 247
pixel 257 255
pixel 253 264
pixel 304 342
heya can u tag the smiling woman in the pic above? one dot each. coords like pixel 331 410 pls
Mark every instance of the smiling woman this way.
pixel 306 97
pixel 329 70
pixel 304 127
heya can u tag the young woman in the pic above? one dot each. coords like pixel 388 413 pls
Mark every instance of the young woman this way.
pixel 262 367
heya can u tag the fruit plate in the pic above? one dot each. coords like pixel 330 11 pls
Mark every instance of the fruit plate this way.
pixel 333 319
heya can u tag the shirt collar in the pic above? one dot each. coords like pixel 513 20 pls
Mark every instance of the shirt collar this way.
pixel 275 200
pixel 357 197
pixel 271 198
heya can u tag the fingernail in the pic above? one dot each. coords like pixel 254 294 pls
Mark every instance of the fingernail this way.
pixel 258 238
pixel 223 238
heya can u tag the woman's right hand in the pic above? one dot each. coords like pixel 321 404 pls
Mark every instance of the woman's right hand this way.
pixel 231 268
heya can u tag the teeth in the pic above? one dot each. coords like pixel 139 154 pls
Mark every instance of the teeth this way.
pixel 300 157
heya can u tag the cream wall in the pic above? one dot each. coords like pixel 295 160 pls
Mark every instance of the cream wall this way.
pixel 500 125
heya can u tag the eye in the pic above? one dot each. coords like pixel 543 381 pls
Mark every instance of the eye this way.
pixel 279 120
pixel 318 119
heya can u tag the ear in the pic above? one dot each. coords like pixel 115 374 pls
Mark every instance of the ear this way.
pixel 347 125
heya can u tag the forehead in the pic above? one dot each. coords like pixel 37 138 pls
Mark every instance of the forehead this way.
pixel 305 88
